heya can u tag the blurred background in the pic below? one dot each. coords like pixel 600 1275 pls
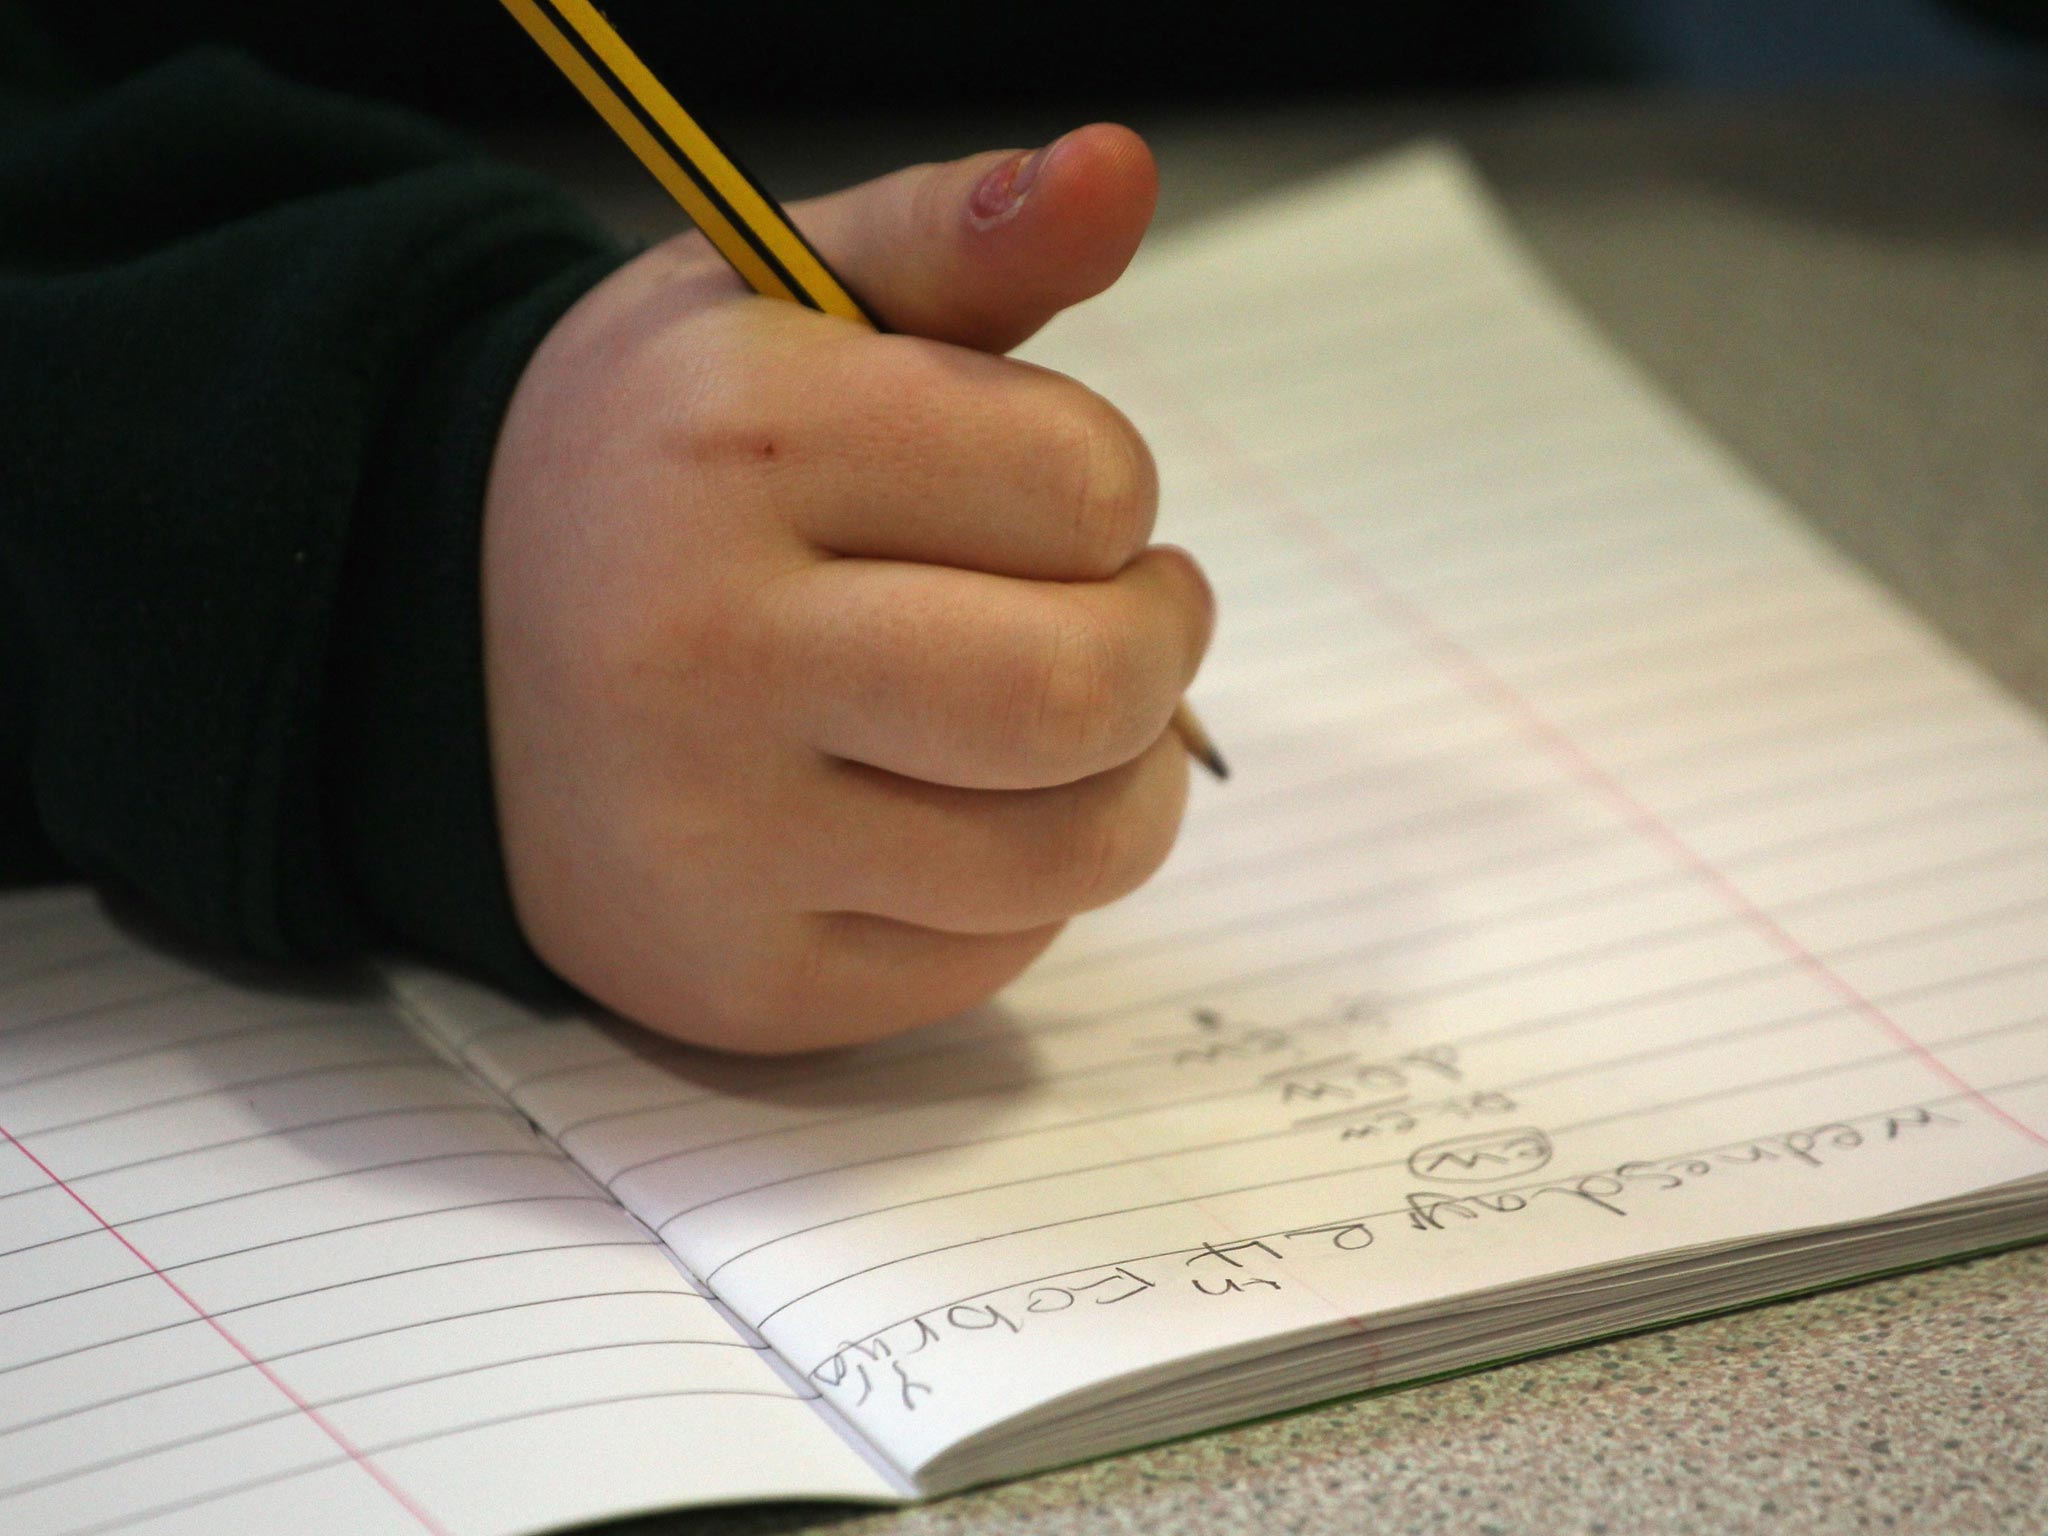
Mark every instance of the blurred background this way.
pixel 1093 58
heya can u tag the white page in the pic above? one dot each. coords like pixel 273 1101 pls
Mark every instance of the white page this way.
pixel 269 1263
pixel 1607 870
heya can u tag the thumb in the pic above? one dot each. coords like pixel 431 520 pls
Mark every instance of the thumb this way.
pixel 983 251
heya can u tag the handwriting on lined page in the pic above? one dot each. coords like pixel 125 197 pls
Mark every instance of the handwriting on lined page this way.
pixel 1606 871
pixel 268 1262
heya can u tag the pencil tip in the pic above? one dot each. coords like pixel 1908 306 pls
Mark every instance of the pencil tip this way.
pixel 1197 742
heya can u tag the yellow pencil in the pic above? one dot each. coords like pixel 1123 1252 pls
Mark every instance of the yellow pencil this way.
pixel 746 226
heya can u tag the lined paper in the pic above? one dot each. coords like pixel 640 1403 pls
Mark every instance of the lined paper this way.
pixel 1609 875
pixel 1620 909
pixel 268 1262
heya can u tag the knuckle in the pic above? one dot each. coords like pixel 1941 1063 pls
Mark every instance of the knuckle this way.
pixel 1099 854
pixel 1066 725
pixel 1107 852
pixel 645 644
pixel 1198 599
pixel 1111 488
pixel 932 206
pixel 898 372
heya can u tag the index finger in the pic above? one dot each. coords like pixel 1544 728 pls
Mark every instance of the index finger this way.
pixel 916 450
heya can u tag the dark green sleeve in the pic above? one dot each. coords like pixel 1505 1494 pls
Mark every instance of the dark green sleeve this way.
pixel 255 345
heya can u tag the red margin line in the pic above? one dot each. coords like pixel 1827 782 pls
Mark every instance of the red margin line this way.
pixel 382 1478
pixel 1481 680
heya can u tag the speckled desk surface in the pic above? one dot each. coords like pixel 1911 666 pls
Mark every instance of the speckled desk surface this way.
pixel 1853 294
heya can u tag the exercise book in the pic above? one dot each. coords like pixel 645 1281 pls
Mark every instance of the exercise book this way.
pixel 1621 909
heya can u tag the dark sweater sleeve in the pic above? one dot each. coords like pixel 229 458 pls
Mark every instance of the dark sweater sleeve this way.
pixel 255 345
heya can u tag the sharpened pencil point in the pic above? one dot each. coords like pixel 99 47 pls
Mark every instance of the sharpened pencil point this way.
pixel 1197 741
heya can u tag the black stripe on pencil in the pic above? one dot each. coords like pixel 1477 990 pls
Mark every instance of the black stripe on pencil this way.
pixel 690 168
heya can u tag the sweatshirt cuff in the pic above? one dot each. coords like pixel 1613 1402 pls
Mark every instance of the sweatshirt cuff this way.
pixel 411 788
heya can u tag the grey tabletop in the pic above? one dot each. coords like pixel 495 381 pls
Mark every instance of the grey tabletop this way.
pixel 1852 293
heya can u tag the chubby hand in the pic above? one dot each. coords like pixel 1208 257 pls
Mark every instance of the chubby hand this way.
pixel 830 672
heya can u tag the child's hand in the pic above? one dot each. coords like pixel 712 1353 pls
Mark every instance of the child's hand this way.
pixel 829 672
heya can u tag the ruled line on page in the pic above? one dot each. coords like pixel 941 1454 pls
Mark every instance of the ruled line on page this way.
pixel 43 970
pixel 331 1122
pixel 159 1271
pixel 129 1222
pixel 1649 940
pixel 213 1496
pixel 276 1356
pixel 1485 683
pixel 162 1047
pixel 1970 1095
pixel 1352 1218
pixel 1281 913
pixel 1581 664
pixel 1629 1112
pixel 221 1431
pixel 283 1297
pixel 1494 840
pixel 269 1373
pixel 406 1063
pixel 1791 683
pixel 1419 825
pixel 296 1235
pixel 1267 914
pixel 799 1129
pixel 1521 1028
pixel 15 1031
pixel 1353 1111
pixel 1243 1091
pixel 1527 1026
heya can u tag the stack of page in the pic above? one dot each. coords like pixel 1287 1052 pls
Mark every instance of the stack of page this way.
pixel 1621 910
